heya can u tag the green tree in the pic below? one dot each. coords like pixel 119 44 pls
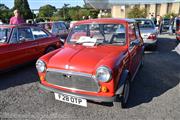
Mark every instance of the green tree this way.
pixel 6 13
pixel 136 12
pixel 46 11
pixel 23 7
pixel 168 15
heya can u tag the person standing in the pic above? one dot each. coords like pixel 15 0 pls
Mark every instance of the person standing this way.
pixel 16 19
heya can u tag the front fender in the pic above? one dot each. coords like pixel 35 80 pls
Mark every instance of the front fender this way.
pixel 122 80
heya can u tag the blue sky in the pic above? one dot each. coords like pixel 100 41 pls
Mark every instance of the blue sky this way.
pixel 35 4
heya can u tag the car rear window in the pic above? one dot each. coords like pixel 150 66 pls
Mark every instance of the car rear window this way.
pixel 145 24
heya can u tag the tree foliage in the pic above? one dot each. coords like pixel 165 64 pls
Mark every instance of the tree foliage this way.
pixel 168 15
pixel 6 13
pixel 23 7
pixel 47 11
pixel 75 13
pixel 136 12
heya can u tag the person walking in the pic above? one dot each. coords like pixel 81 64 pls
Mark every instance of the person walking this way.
pixel 16 19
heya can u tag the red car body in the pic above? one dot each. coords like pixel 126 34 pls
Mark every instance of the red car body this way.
pixel 177 22
pixel 20 44
pixel 72 70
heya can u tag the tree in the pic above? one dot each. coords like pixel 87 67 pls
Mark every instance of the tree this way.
pixel 47 11
pixel 168 15
pixel 136 12
pixel 6 13
pixel 23 7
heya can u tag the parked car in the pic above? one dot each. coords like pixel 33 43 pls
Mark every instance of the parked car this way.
pixel 98 61
pixel 56 28
pixel 148 31
pixel 20 44
pixel 173 26
pixel 165 24
pixel 178 29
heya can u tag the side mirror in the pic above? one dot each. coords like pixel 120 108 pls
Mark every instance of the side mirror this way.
pixel 135 43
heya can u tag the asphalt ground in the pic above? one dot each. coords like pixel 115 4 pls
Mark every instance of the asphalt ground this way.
pixel 155 93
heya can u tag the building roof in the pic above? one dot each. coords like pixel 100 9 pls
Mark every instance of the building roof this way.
pixel 107 4
pixel 104 20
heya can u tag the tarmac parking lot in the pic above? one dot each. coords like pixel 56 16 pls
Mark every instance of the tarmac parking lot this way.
pixel 155 92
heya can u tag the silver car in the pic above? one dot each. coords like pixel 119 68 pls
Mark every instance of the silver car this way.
pixel 148 30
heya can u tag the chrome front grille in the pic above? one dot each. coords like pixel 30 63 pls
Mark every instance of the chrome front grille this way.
pixel 72 80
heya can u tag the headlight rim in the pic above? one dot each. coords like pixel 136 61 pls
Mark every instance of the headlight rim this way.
pixel 39 60
pixel 109 71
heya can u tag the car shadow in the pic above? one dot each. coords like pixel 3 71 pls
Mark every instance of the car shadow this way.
pixel 159 74
pixel 18 76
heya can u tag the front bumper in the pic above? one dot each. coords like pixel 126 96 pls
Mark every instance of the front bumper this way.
pixel 88 97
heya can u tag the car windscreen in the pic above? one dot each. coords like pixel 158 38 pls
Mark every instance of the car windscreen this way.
pixel 111 34
pixel 145 24
pixel 4 34
pixel 166 21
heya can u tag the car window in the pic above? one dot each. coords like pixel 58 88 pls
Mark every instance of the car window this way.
pixel 4 34
pixel 132 32
pixel 111 34
pixel 25 33
pixel 55 28
pixel 146 23
pixel 48 26
pixel 63 26
pixel 14 36
pixel 39 33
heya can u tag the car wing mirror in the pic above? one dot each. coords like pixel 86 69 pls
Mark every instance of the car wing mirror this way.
pixel 135 43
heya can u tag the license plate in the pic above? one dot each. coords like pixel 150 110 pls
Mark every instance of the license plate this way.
pixel 71 99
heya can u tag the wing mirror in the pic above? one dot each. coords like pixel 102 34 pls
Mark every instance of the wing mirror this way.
pixel 135 43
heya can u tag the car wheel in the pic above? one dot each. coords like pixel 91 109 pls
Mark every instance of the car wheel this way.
pixel 123 100
pixel 125 95
pixel 142 60
pixel 49 49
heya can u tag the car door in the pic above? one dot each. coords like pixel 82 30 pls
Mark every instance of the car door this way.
pixel 42 38
pixel 22 46
pixel 4 48
pixel 135 47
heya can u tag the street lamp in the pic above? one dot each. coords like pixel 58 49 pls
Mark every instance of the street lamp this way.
pixel 65 6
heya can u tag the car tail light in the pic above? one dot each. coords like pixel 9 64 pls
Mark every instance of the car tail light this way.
pixel 152 37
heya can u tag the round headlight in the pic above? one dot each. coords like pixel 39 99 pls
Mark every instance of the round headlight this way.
pixel 41 66
pixel 103 74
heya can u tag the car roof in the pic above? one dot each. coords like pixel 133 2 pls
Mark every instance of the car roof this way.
pixel 143 19
pixel 105 20
pixel 51 22
pixel 19 25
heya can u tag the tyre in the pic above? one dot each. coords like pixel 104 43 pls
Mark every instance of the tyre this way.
pixel 123 100
pixel 142 61
pixel 49 49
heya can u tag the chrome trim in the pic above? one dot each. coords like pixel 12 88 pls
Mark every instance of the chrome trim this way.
pixel 75 73
pixel 75 89
pixel 70 72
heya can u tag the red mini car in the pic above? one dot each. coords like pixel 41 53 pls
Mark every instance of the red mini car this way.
pixel 99 60
pixel 23 43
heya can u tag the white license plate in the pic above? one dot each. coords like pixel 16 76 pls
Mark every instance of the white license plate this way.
pixel 71 99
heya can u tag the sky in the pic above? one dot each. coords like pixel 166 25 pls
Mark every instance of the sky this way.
pixel 35 4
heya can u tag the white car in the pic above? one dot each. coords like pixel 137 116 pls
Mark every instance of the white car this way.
pixel 148 31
